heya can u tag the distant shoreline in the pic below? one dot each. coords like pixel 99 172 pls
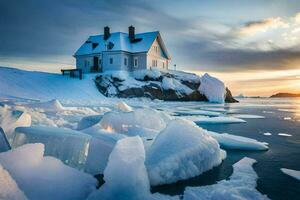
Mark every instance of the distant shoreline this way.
pixel 284 95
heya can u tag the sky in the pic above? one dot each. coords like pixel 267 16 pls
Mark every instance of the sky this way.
pixel 253 46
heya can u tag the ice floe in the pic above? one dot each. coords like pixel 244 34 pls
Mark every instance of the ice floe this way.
pixel 213 120
pixel 181 151
pixel 241 185
pixel 100 147
pixel 229 141
pixel 268 134
pixel 246 116
pixel 142 121
pixel 9 189
pixel 126 175
pixel 284 134
pixel 198 112
pixel 69 146
pixel 45 178
pixel 293 173
pixel 212 88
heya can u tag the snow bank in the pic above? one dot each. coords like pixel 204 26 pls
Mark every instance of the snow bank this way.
pixel 48 86
pixel 67 145
pixel 122 106
pixel 241 185
pixel 181 151
pixel 185 76
pixel 173 84
pixel 9 189
pixel 212 88
pixel 228 141
pixel 10 119
pixel 45 177
pixel 143 121
pixel 152 74
pixel 100 147
pixel 126 175
pixel 293 173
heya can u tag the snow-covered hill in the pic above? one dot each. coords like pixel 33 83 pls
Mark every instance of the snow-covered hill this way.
pixel 47 86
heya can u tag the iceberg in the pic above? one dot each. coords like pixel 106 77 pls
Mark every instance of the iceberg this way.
pixel 293 173
pixel 181 151
pixel 100 147
pixel 212 88
pixel 4 144
pixel 126 175
pixel 144 122
pixel 69 146
pixel 9 189
pixel 46 177
pixel 241 185
pixel 229 141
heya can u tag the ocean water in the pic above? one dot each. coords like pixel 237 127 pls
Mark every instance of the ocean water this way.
pixel 282 115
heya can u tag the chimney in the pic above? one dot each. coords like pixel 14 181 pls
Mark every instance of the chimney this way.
pixel 131 33
pixel 106 33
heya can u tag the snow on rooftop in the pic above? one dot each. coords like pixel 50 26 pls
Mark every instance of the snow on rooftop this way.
pixel 121 43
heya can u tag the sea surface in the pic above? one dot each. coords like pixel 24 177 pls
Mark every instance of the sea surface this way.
pixel 282 115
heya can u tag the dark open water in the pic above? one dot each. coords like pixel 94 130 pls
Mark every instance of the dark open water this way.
pixel 284 152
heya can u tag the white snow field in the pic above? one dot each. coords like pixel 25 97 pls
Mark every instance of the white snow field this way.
pixel 126 175
pixel 46 177
pixel 212 88
pixel 48 86
pixel 240 186
pixel 181 151
pixel 9 189
pixel 293 173
pixel 69 146
pixel 229 141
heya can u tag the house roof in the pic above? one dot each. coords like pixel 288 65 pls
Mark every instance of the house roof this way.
pixel 121 42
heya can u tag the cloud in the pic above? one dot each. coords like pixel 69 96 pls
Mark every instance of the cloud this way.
pixel 254 27
pixel 297 18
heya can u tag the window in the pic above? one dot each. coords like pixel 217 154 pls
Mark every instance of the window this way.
pixel 99 61
pixel 163 65
pixel 111 61
pixel 135 62
pixel 154 63
pixel 125 61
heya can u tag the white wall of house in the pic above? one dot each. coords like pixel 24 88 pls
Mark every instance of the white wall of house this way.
pixel 156 58
pixel 86 62
pixel 120 60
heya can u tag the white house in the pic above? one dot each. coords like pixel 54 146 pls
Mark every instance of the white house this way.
pixel 122 51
